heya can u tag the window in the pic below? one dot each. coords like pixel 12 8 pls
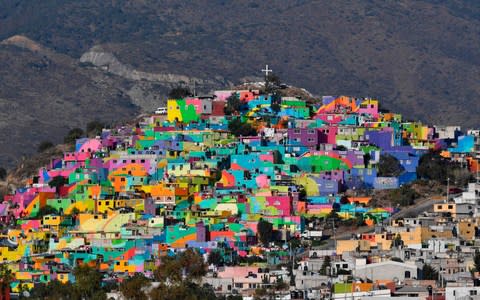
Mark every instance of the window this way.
pixel 450 207
pixel 407 274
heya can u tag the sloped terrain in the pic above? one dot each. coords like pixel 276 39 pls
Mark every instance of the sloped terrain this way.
pixel 419 57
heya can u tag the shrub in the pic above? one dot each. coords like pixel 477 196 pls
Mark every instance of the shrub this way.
pixel 73 135
pixel 43 146
pixel 179 92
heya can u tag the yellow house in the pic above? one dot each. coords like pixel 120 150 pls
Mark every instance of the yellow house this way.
pixel 466 229
pixel 382 242
pixel 7 254
pixel 104 205
pixel 123 266
pixel 52 221
pixel 346 246
pixel 429 233
pixel 111 222
pixel 108 205
pixel 412 236
pixel 445 208
pixel 173 111
pixel 63 277
pixel 161 193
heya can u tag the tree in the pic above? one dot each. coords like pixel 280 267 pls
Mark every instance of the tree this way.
pixel 233 104
pixel 389 166
pixel 276 107
pixel 366 159
pixel 344 200
pixel 131 288
pixel 169 271
pixel 178 276
pixel 57 182
pixel 179 92
pixel 476 261
pixel 44 145
pixel 88 282
pixel 404 196
pixel 94 128
pixel 55 290
pixel 280 285
pixel 265 232
pixel 397 259
pixel 73 135
pixel 260 293
pixel 6 277
pixel 272 82
pixel 276 103
pixel 239 128
pixel 333 216
pixel 429 273
pixel 188 265
pixel 325 266
pixel 397 242
pixel 433 166
pixel 46 210
pixel 3 173
pixel 215 258
pixel 193 265
pixel 184 290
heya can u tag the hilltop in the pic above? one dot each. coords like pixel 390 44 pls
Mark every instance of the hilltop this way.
pixel 122 57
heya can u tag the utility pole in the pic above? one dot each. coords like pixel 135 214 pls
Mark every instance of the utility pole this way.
pixel 334 234
pixel 448 188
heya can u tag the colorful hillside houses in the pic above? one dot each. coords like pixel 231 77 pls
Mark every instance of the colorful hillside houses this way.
pixel 125 199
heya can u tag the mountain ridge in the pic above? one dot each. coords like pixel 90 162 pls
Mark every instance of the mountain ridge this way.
pixel 418 57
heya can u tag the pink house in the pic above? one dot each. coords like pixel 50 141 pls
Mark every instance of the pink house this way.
pixel 327 135
pixel 370 107
pixel 196 102
pixel 282 203
pixel 90 146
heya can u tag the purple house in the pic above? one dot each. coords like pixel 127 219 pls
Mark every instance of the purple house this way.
pixel 382 139
pixel 303 136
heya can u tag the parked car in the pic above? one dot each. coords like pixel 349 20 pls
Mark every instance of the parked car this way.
pixel 161 111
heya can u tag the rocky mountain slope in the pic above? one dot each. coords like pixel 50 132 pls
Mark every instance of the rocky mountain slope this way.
pixel 419 57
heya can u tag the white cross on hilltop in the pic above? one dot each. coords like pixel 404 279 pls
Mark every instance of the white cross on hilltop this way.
pixel 266 70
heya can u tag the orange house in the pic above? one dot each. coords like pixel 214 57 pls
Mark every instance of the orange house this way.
pixel 359 200
pixel 122 177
